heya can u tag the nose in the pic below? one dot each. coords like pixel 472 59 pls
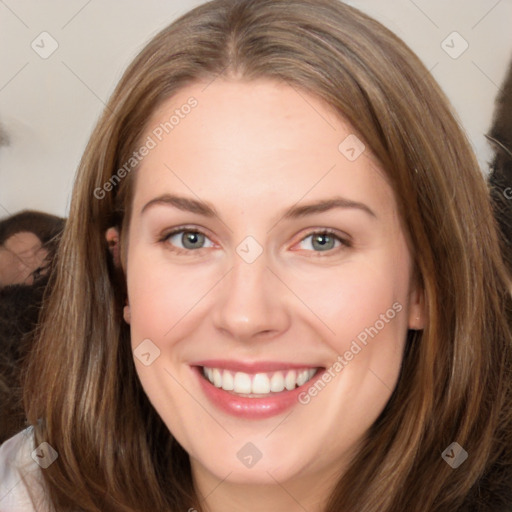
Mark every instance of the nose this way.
pixel 252 303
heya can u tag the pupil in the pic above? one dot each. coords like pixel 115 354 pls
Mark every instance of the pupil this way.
pixel 190 239
pixel 323 241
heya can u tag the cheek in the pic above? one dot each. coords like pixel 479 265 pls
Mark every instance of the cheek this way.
pixel 361 308
pixel 352 297
pixel 157 301
pixel 162 295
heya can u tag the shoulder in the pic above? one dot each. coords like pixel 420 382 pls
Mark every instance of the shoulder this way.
pixel 21 481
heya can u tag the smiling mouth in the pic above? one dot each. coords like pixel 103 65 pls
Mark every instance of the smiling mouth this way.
pixel 258 385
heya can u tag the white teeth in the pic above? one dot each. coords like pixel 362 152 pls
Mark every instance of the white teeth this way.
pixel 259 383
pixel 302 377
pixel 277 382
pixel 290 380
pixel 227 381
pixel 242 383
pixel 217 378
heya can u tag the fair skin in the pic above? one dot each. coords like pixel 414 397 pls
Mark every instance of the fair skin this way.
pixel 252 151
pixel 21 255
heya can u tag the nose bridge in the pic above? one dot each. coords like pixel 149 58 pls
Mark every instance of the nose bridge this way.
pixel 248 279
pixel 250 304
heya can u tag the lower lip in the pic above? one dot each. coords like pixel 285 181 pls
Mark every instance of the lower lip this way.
pixel 252 408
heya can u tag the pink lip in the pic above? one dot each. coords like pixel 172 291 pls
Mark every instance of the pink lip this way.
pixel 251 408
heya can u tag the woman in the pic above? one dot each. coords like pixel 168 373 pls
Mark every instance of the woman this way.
pixel 286 291
pixel 28 241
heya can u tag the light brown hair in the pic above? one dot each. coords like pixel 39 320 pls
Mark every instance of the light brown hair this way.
pixel 115 453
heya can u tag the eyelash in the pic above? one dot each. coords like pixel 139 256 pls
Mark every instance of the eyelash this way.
pixel 345 243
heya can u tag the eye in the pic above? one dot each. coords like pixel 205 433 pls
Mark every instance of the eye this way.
pixel 188 239
pixel 183 240
pixel 323 241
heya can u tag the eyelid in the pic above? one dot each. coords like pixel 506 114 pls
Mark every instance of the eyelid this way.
pixel 164 238
pixel 344 239
pixel 306 232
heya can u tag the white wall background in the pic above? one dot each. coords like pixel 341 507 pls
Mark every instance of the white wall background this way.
pixel 48 107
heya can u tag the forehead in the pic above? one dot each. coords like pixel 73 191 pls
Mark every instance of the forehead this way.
pixel 255 139
pixel 23 240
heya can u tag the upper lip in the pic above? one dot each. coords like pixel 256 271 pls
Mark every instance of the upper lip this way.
pixel 253 366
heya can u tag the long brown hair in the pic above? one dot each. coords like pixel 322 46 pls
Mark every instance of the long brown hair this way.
pixel 82 392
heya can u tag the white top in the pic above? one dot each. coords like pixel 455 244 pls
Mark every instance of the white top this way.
pixel 21 480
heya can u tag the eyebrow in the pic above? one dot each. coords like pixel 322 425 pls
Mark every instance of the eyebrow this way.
pixel 206 209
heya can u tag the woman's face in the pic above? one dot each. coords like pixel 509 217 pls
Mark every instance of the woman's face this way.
pixel 265 254
pixel 21 255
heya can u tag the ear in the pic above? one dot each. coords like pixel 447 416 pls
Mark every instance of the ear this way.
pixel 112 237
pixel 417 309
pixel 126 314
